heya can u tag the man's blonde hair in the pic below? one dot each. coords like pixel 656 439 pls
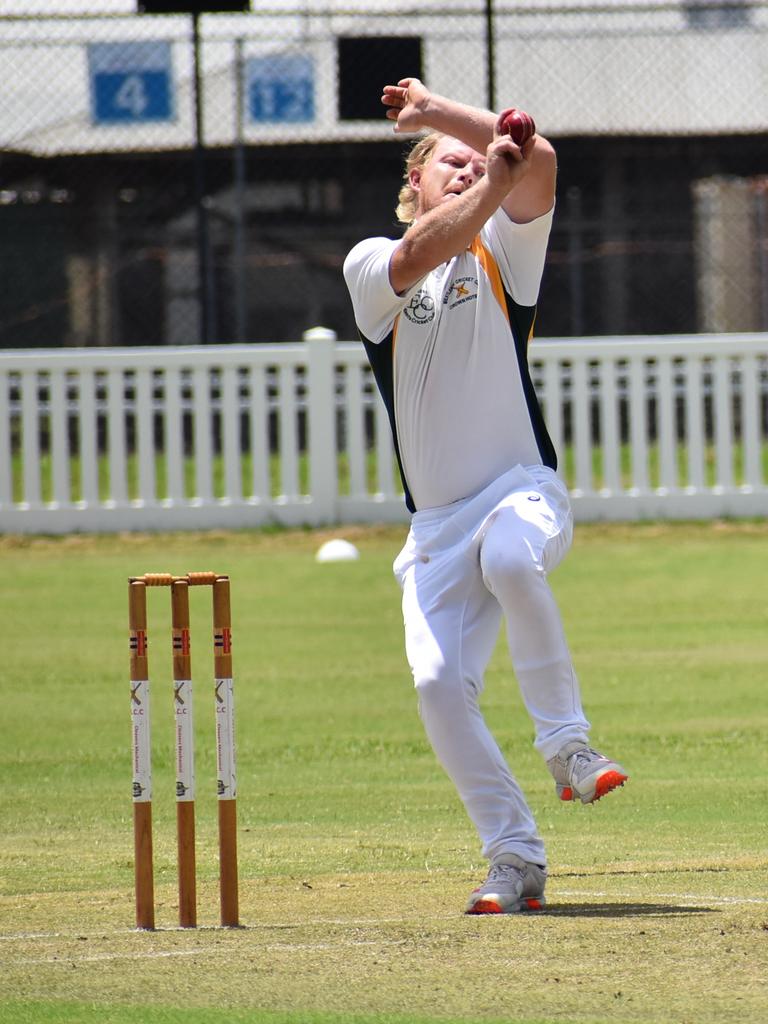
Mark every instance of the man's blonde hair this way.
pixel 408 197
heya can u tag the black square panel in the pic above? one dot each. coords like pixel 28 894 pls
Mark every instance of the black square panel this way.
pixel 366 65
pixel 194 6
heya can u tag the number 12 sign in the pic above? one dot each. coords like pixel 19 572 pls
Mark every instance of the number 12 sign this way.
pixel 281 88
pixel 131 83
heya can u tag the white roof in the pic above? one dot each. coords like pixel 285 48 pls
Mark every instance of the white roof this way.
pixel 618 69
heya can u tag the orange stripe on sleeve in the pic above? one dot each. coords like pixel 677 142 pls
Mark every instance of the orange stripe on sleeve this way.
pixel 491 268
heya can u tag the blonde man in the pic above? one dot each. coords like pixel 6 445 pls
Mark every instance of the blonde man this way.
pixel 445 314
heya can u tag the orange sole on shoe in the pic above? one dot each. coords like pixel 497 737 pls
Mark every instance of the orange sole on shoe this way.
pixel 608 782
pixel 486 907
pixel 605 784
pixel 492 907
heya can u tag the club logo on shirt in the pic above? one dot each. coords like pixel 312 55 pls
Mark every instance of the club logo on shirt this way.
pixel 462 289
pixel 421 308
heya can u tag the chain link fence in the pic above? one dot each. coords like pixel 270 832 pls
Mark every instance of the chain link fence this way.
pixel 182 180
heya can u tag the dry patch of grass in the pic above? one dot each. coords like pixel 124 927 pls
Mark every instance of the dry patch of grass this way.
pixel 646 943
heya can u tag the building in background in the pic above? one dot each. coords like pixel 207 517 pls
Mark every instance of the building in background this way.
pixel 659 114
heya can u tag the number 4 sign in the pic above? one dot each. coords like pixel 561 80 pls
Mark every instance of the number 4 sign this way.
pixel 131 83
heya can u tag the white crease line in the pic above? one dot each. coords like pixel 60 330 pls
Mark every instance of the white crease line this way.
pixel 613 897
pixel 243 930
pixel 64 960
pixel 282 947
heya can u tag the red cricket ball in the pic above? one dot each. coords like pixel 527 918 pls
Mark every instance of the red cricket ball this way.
pixel 517 124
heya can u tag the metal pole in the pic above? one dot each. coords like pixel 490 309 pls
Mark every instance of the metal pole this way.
pixel 575 260
pixel 761 202
pixel 204 269
pixel 239 169
pixel 490 46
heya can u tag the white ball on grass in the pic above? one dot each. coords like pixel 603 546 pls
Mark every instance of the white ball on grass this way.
pixel 337 550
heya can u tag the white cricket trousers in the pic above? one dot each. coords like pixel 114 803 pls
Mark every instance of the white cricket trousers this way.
pixel 463 567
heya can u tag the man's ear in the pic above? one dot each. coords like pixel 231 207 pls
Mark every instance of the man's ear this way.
pixel 414 179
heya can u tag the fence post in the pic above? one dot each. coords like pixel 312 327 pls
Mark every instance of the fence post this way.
pixel 321 410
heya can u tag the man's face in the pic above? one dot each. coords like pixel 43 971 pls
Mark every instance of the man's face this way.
pixel 451 169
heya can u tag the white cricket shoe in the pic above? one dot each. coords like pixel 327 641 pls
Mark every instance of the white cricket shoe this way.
pixel 581 773
pixel 513 886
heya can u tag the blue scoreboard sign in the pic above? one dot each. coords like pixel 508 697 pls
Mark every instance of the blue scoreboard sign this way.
pixel 281 88
pixel 131 83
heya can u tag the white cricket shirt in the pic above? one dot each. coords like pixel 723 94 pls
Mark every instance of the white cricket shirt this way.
pixel 450 359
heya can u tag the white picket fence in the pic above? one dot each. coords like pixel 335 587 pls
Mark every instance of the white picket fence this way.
pixel 242 436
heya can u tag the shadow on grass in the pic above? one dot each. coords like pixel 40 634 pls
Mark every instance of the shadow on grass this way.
pixel 677 870
pixel 623 910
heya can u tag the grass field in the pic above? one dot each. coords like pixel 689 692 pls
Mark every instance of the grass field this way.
pixel 355 856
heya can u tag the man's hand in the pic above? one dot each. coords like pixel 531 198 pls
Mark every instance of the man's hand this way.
pixel 506 163
pixel 407 104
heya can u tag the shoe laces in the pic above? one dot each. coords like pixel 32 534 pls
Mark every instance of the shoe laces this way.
pixel 504 873
pixel 586 756
pixel 582 762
